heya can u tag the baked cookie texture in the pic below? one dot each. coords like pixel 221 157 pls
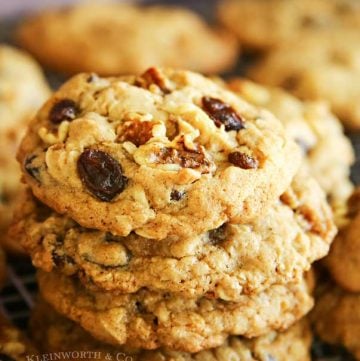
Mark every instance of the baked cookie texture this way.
pixel 14 346
pixel 343 261
pixel 336 318
pixel 22 90
pixel 151 320
pixel 54 333
pixel 308 68
pixel 327 151
pixel 226 263
pixel 126 39
pixel 262 25
pixel 152 153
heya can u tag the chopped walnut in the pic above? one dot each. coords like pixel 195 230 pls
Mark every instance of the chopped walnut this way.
pixel 186 158
pixel 150 77
pixel 136 131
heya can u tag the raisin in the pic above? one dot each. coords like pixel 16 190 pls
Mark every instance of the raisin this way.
pixel 222 113
pixel 136 132
pixel 140 307
pixel 243 160
pixel 217 235
pixel 30 168
pixel 101 174
pixel 176 195
pixel 4 357
pixel 65 109
pixel 152 76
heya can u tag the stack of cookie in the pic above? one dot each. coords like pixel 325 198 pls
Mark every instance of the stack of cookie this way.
pixel 166 212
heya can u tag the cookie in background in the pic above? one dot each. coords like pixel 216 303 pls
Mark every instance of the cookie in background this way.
pixel 322 67
pixel 343 261
pixel 336 318
pixel 262 25
pixel 23 89
pixel 112 39
pixel 14 345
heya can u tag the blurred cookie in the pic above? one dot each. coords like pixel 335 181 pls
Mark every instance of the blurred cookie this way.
pixel 323 67
pixel 336 318
pixel 263 24
pixel 14 346
pixel 227 262
pixel 22 90
pixel 55 333
pixel 2 267
pixel 343 262
pixel 151 320
pixel 150 154
pixel 115 39
pixel 328 152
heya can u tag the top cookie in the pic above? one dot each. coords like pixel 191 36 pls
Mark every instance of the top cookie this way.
pixel 22 91
pixel 326 149
pixel 263 24
pixel 325 67
pixel 166 153
pixel 119 39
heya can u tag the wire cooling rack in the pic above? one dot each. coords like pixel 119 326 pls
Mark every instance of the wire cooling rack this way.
pixel 18 295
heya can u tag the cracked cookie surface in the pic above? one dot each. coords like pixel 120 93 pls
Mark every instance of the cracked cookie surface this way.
pixel 122 38
pixel 225 263
pixel 202 153
pixel 53 332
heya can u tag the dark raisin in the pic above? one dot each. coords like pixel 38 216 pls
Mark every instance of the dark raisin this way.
pixel 91 78
pixel 4 357
pixel 140 307
pixel 101 174
pixel 156 321
pixel 217 235
pixel 30 168
pixel 291 82
pixel 65 109
pixel 222 113
pixel 243 160
pixel 61 260
pixel 176 195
